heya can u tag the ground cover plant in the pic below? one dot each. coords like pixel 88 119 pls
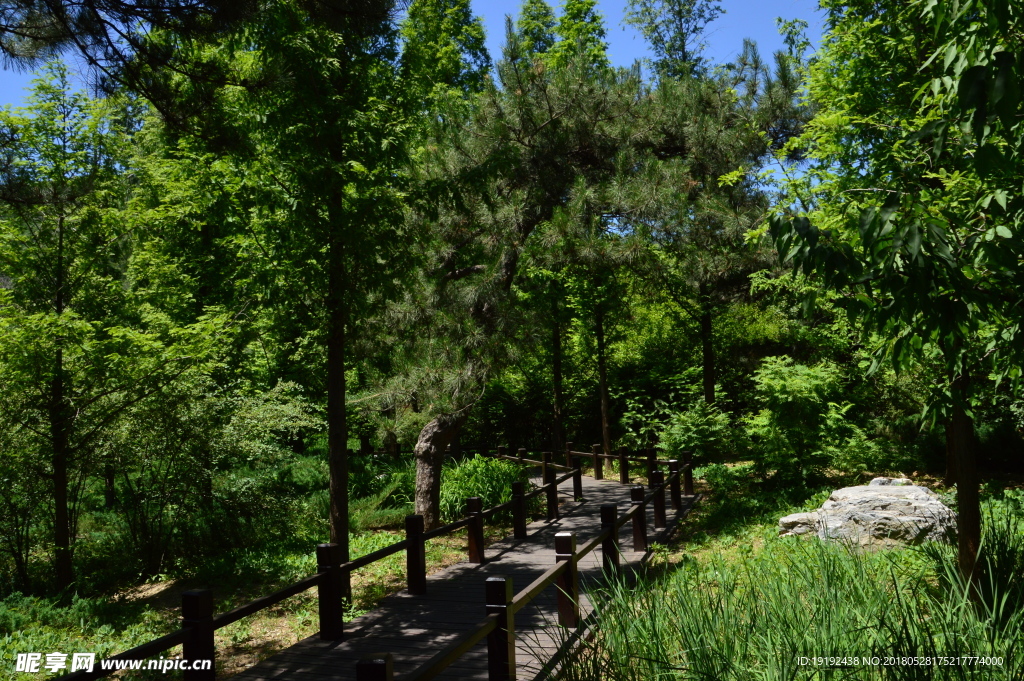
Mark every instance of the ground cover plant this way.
pixel 752 605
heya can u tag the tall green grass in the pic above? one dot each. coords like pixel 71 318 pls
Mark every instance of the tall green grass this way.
pixel 489 479
pixel 754 617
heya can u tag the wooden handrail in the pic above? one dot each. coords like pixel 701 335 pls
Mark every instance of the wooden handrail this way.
pixel 207 623
pixel 255 606
pixel 452 652
pixel 446 529
pixel 531 462
pixel 363 561
pixel 523 598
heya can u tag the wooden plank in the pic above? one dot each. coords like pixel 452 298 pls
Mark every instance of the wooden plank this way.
pixel 413 628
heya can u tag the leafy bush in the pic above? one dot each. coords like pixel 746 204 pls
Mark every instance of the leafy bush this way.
pixel 702 428
pixel 489 479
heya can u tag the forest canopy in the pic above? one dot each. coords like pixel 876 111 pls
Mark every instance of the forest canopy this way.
pixel 292 241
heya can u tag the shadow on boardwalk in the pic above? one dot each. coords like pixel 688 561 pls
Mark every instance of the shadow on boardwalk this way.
pixel 413 628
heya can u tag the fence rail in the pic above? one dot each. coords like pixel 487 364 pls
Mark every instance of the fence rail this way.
pixel 502 605
pixel 198 623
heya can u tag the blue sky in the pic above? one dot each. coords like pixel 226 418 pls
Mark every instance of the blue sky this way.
pixel 742 19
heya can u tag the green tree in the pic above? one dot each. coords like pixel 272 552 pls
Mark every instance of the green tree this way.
pixel 675 31
pixel 529 149
pixel 581 36
pixel 79 344
pixel 444 47
pixel 699 214
pixel 535 27
pixel 912 207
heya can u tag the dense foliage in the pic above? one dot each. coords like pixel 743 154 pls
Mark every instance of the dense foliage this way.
pixel 277 286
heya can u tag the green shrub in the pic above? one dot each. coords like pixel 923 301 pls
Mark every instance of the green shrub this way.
pixel 489 479
pixel 702 428
pixel 804 428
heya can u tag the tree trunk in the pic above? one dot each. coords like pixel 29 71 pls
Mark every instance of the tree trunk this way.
pixel 109 491
pixel 968 506
pixel 429 452
pixel 950 478
pixel 556 368
pixel 391 444
pixel 707 346
pixel 602 371
pixel 59 432
pixel 60 437
pixel 337 430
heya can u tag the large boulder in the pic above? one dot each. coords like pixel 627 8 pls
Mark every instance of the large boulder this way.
pixel 887 512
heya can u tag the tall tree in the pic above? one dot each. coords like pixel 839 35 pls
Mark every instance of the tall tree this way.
pixel 535 27
pixel 913 208
pixel 527 149
pixel 581 36
pixel 79 342
pixel 675 31
pixel 698 216
pixel 444 47
pixel 311 106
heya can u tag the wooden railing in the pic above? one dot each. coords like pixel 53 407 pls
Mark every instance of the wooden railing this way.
pixel 498 627
pixel 198 622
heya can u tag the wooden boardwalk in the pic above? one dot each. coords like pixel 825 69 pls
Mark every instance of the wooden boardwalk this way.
pixel 413 628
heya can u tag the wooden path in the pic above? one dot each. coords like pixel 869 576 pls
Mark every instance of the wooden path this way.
pixel 413 628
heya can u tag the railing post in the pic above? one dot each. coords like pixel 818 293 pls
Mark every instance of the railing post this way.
pixel 376 667
pixel 197 615
pixel 521 453
pixel 636 495
pixel 568 583
pixel 657 485
pixel 330 592
pixel 623 466
pixel 415 556
pixel 568 454
pixel 474 506
pixel 652 462
pixel 598 472
pixel 610 546
pixel 552 494
pixel 501 451
pixel 673 472
pixel 577 479
pixel 518 510
pixel 501 643
pixel 688 473
pixel 545 459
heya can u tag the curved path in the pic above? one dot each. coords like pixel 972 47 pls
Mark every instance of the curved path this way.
pixel 413 628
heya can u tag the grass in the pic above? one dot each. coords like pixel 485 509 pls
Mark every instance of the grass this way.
pixel 733 601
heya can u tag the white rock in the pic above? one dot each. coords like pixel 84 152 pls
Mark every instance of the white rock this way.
pixel 879 514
